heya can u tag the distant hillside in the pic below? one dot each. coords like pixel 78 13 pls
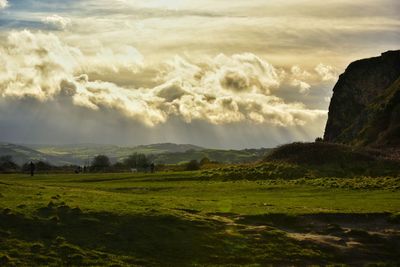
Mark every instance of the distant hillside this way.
pixel 167 148
pixel 22 154
pixel 80 153
pixel 166 153
pixel 365 107
pixel 222 156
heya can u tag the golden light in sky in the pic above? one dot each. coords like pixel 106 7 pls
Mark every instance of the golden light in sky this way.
pixel 214 65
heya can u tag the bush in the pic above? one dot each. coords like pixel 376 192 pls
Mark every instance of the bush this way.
pixel 205 161
pixel 193 165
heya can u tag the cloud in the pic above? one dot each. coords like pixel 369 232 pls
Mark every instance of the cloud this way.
pixel 3 4
pixel 304 88
pixel 228 89
pixel 298 77
pixel 327 73
pixel 34 65
pixel 125 57
pixel 220 90
pixel 57 21
pixel 238 73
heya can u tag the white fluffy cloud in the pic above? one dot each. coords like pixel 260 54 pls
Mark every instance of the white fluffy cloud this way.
pixel 298 79
pixel 125 57
pixel 57 21
pixel 327 73
pixel 35 65
pixel 220 90
pixel 229 89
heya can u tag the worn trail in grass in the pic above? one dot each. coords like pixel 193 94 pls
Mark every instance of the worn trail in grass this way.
pixel 187 219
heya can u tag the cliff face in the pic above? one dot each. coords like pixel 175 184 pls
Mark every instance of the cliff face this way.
pixel 365 107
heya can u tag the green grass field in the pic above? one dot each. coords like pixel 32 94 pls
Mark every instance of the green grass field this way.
pixel 193 219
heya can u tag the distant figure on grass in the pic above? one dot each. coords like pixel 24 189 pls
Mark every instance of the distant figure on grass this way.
pixel 32 168
pixel 152 167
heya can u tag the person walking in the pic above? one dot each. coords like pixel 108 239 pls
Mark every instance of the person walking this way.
pixel 32 168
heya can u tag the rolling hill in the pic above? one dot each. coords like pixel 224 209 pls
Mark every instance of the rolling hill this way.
pixel 166 153
pixel 22 154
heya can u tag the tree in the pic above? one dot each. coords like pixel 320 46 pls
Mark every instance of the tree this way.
pixel 43 166
pixel 119 166
pixel 205 161
pixel 7 164
pixel 137 161
pixel 142 162
pixel 131 161
pixel 193 165
pixel 101 163
pixel 319 139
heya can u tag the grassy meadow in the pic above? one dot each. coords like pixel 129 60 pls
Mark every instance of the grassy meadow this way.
pixel 196 219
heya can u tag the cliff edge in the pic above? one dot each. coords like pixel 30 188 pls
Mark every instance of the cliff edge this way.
pixel 365 107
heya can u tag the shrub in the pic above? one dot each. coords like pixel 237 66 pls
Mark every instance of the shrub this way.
pixel 193 165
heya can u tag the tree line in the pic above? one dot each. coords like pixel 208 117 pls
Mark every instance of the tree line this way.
pixel 136 161
pixel 101 163
pixel 8 165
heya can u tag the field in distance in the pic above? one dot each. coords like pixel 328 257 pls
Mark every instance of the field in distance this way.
pixel 196 219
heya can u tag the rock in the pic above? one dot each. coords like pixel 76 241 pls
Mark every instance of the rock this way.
pixel 365 107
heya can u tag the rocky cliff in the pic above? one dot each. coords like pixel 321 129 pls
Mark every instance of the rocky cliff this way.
pixel 365 107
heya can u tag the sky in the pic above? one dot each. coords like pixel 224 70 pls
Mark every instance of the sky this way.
pixel 215 73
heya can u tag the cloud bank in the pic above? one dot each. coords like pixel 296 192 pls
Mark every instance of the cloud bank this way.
pixel 220 90
pixel 57 21
pixel 3 4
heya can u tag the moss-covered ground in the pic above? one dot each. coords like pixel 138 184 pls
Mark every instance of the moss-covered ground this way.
pixel 197 219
